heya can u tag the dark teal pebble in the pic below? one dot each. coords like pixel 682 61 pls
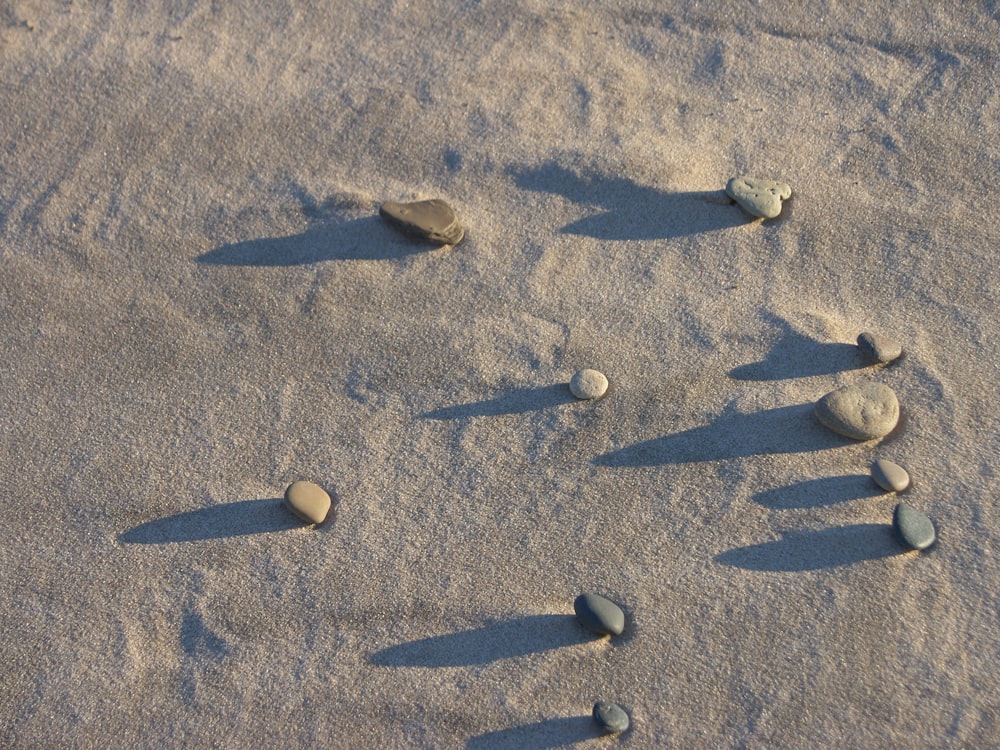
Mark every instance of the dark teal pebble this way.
pixel 599 614
pixel 913 528
pixel 610 717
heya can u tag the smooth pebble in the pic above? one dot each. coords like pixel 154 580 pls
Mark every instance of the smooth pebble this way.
pixel 861 412
pixel 878 348
pixel 890 476
pixel 913 528
pixel 610 717
pixel 587 384
pixel 759 197
pixel 432 220
pixel 599 615
pixel 308 501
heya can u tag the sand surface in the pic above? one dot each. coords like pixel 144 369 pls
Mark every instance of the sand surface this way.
pixel 201 305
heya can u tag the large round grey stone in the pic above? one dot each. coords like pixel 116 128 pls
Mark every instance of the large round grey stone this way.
pixel 599 615
pixel 308 501
pixel 610 717
pixel 890 476
pixel 913 528
pixel 878 348
pixel 759 197
pixel 861 412
pixel 432 220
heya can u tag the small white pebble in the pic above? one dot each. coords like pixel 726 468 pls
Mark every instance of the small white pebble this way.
pixel 588 384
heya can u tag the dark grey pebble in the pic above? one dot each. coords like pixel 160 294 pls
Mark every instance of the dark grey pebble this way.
pixel 599 615
pixel 610 717
pixel 432 220
pixel 913 528
pixel 878 348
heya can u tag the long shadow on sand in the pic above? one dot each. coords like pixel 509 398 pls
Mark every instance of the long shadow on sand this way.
pixel 500 640
pixel 632 211
pixel 786 429
pixel 515 401
pixel 814 493
pixel 328 239
pixel 799 551
pixel 550 733
pixel 798 356
pixel 218 522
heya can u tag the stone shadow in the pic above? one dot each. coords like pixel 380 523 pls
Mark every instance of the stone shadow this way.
pixel 224 521
pixel 798 356
pixel 369 238
pixel 786 429
pixel 543 735
pixel 799 551
pixel 632 211
pixel 514 401
pixel 814 493
pixel 500 640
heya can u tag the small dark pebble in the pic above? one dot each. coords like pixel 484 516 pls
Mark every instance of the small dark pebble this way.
pixel 913 528
pixel 610 717
pixel 599 614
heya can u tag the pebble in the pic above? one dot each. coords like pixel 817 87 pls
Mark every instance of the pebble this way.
pixel 861 412
pixel 890 476
pixel 610 717
pixel 588 384
pixel 432 220
pixel 599 615
pixel 308 501
pixel 759 197
pixel 913 528
pixel 878 348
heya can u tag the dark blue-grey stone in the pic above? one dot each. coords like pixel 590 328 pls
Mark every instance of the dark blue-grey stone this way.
pixel 599 614
pixel 878 348
pixel 610 717
pixel 913 528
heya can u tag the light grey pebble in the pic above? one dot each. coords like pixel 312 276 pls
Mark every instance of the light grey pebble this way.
pixel 587 384
pixel 759 197
pixel 890 476
pixel 432 220
pixel 878 348
pixel 913 528
pixel 861 412
pixel 308 501
pixel 599 615
pixel 610 717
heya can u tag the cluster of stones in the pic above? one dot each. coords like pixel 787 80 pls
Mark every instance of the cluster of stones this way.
pixel 868 412
pixel 861 412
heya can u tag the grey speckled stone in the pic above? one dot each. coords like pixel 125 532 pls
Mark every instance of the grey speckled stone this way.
pixel 913 528
pixel 610 717
pixel 308 501
pixel 588 384
pixel 432 220
pixel 759 197
pixel 878 348
pixel 599 615
pixel 890 476
pixel 861 412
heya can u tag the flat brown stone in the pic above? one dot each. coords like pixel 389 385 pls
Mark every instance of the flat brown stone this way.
pixel 432 220
pixel 308 501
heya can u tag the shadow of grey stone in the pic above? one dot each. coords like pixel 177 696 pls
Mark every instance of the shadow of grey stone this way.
pixel 799 551
pixel 543 735
pixel 514 401
pixel 631 211
pixel 798 356
pixel 223 521
pixel 814 493
pixel 786 429
pixel 499 640
pixel 368 238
